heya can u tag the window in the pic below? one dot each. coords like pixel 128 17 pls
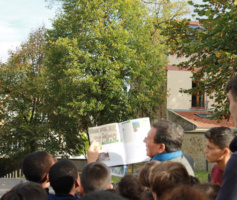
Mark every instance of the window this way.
pixel 197 98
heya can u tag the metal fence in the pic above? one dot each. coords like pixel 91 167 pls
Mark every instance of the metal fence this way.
pixel 15 174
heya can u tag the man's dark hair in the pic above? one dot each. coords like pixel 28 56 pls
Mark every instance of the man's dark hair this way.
pixel 220 136
pixel 62 176
pixel 232 86
pixel 102 195
pixel 36 165
pixel 95 176
pixel 26 191
pixel 168 133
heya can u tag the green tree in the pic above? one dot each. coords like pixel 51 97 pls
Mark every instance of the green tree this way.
pixel 104 61
pixel 212 48
pixel 104 65
pixel 24 125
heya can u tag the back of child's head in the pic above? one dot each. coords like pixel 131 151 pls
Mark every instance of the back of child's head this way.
pixel 102 195
pixel 183 192
pixel 36 166
pixel 26 191
pixel 62 176
pixel 95 176
pixel 167 175
pixel 129 187
pixel 220 136
pixel 210 189
pixel 143 176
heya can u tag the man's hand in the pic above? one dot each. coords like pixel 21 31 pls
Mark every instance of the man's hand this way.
pixel 93 151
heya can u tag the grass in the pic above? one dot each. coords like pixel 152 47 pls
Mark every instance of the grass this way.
pixel 202 175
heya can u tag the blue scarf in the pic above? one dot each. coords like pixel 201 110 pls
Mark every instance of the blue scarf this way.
pixel 167 156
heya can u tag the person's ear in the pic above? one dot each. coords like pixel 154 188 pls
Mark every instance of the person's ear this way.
pixel 161 148
pixel 111 187
pixel 45 181
pixel 226 151
pixel 45 178
pixel 155 196
pixel 77 185
pixel 82 191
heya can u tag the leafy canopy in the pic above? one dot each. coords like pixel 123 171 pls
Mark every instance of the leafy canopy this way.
pixel 103 63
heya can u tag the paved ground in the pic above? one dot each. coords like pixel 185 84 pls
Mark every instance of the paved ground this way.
pixel 7 183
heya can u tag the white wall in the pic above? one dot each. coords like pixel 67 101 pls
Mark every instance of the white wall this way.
pixel 175 81
pixel 173 60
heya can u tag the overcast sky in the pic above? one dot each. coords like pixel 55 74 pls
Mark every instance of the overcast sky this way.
pixel 18 18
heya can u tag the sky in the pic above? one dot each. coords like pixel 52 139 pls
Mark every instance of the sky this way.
pixel 20 17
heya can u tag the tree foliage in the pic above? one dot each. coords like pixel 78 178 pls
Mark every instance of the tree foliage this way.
pixel 212 47
pixel 103 63
pixel 22 98
pixel 25 115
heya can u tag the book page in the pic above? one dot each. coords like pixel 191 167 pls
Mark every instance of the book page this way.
pixel 119 171
pixel 108 135
pixel 134 132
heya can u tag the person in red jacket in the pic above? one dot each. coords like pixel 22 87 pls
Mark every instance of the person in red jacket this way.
pixel 217 150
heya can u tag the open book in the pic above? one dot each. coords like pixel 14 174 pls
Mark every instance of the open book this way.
pixel 122 143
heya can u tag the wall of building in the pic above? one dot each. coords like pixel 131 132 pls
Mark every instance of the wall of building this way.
pixel 175 81
pixel 173 60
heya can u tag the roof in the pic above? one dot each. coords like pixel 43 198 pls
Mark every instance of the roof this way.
pixel 195 23
pixel 175 68
pixel 204 122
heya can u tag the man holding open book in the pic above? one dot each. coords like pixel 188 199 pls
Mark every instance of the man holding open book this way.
pixel 163 142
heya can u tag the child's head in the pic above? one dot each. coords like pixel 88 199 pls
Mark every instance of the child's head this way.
pixel 220 136
pixel 210 189
pixel 143 176
pixel 102 195
pixel 36 166
pixel 217 145
pixel 167 175
pixel 95 176
pixel 63 177
pixel 27 191
pixel 184 192
pixel 129 187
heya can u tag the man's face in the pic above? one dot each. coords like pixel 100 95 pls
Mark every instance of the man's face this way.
pixel 233 106
pixel 213 152
pixel 151 147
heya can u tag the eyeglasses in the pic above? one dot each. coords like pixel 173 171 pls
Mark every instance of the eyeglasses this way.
pixel 146 139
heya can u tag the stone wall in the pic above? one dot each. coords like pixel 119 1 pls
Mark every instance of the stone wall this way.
pixel 194 144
